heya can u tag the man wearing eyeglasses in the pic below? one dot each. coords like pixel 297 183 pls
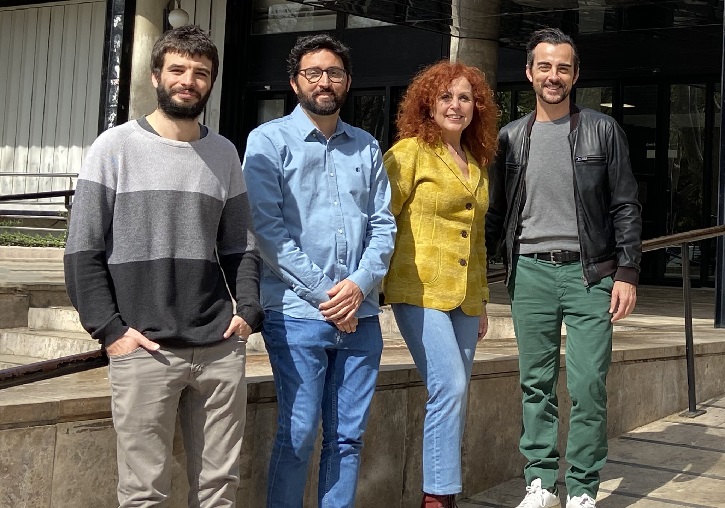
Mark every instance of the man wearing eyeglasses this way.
pixel 320 205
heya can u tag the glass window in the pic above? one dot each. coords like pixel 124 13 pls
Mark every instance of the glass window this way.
pixel 278 16
pixel 503 99
pixel 525 103
pixel 269 109
pixel 361 22
pixel 369 113
pixel 685 170
pixel 598 98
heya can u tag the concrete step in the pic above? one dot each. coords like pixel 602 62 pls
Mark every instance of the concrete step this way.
pixel 54 318
pixel 35 221
pixel 10 252
pixel 10 361
pixel 45 344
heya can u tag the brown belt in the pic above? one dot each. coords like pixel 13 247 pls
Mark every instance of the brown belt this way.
pixel 556 256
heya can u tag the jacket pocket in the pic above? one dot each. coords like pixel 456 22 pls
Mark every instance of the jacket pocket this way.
pixel 591 159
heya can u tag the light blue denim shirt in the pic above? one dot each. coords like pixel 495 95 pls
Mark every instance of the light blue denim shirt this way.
pixel 321 211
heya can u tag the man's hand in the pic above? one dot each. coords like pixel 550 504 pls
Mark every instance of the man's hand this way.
pixel 238 326
pixel 624 297
pixel 345 300
pixel 482 324
pixel 130 341
pixel 348 326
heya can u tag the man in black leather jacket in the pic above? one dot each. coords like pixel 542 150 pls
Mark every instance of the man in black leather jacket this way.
pixel 564 211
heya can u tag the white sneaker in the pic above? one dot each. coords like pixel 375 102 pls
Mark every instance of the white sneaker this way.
pixel 583 501
pixel 536 497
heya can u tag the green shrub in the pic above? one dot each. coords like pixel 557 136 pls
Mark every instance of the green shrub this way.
pixel 24 240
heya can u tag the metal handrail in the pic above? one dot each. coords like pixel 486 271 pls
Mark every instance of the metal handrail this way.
pixel 77 363
pixel 678 239
pixel 39 175
pixel 67 194
pixel 37 195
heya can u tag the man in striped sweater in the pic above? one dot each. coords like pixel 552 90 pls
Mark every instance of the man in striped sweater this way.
pixel 160 244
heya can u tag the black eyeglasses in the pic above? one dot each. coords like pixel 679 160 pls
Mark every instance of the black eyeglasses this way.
pixel 314 74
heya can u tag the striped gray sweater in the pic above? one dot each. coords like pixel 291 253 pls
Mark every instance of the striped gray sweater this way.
pixel 147 217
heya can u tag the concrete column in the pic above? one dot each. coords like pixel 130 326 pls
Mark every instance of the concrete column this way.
pixel 147 29
pixel 474 39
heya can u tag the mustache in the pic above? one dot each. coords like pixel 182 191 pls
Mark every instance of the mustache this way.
pixel 186 90
pixel 324 90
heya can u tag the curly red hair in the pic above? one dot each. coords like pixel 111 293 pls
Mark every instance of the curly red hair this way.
pixel 414 114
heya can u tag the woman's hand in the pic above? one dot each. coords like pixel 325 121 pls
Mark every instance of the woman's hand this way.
pixel 482 323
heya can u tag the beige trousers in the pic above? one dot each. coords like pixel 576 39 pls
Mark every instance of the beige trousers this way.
pixel 206 386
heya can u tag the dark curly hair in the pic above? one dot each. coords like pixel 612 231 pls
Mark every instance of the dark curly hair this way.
pixel 187 40
pixel 309 43
pixel 414 115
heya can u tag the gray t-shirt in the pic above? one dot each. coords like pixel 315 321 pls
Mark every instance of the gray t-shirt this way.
pixel 548 220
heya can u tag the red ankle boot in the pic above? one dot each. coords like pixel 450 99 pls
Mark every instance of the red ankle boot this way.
pixel 435 501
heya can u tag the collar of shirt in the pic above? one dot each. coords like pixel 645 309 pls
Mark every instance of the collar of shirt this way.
pixel 308 130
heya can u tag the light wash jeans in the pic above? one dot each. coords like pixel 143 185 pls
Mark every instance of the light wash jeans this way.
pixel 319 371
pixel 442 345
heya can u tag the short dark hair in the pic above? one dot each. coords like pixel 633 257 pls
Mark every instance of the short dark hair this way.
pixel 188 40
pixel 550 36
pixel 309 43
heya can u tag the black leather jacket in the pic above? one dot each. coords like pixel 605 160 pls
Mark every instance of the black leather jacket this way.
pixel 607 210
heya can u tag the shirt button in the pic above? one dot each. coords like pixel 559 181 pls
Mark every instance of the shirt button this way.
pixel 463 262
pixel 334 203
pixel 464 233
pixel 339 230
pixel 332 174
pixel 469 206
pixel 341 261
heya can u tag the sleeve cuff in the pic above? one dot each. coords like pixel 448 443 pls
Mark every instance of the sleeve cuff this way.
pixel 627 274
pixel 253 315
pixel 363 280
pixel 111 331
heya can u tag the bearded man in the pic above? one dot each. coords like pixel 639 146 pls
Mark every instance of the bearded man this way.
pixel 320 208
pixel 563 206
pixel 160 227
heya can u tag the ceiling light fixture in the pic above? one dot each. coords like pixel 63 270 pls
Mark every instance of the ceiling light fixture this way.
pixel 178 16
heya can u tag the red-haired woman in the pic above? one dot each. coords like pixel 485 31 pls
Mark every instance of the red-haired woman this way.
pixel 437 280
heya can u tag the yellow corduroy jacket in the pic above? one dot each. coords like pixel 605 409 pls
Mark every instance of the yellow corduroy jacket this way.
pixel 439 260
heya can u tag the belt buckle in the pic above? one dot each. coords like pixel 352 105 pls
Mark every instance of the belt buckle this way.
pixel 552 253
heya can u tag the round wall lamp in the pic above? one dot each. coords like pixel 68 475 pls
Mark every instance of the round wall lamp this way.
pixel 178 16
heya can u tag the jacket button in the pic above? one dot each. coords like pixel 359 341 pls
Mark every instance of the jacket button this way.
pixel 464 233
pixel 469 206
pixel 463 262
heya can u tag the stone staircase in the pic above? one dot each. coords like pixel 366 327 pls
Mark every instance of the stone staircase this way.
pixel 52 332
pixel 54 224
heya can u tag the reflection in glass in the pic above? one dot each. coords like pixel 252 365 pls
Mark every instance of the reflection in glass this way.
pixel 503 99
pixel 525 102
pixel 269 109
pixel 685 166
pixel 369 114
pixel 279 16
pixel 598 98
pixel 362 22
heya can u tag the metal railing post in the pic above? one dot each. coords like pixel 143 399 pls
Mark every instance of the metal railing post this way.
pixel 692 411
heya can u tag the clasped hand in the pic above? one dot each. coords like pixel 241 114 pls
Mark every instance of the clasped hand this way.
pixel 345 300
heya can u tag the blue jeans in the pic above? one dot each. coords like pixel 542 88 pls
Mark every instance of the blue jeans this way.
pixel 442 345
pixel 319 371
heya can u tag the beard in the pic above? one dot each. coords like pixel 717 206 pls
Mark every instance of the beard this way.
pixel 179 110
pixel 549 99
pixel 324 108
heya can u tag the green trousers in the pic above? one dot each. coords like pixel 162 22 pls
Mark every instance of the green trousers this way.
pixel 542 295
